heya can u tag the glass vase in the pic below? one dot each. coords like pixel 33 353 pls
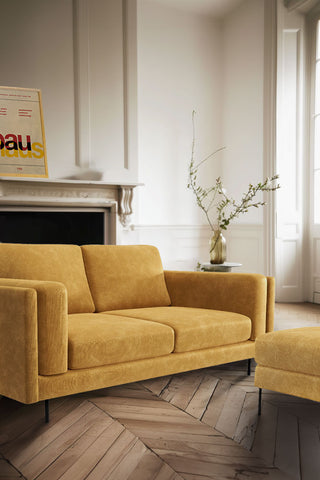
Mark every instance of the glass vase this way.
pixel 218 250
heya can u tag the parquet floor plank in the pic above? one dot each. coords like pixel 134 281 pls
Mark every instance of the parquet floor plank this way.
pixel 129 462
pixel 85 463
pixel 198 404
pixel 8 471
pixel 158 384
pixel 231 411
pixel 209 466
pixel 247 425
pixel 134 390
pixel 166 473
pixel 309 451
pixel 113 399
pixel 149 467
pixel 264 440
pixel 214 447
pixel 93 439
pixel 39 460
pixel 23 450
pixel 113 457
pixel 132 412
pixel 181 389
pixel 216 403
pixel 179 444
pixel 287 444
pixel 30 418
pixel 307 412
pixel 153 437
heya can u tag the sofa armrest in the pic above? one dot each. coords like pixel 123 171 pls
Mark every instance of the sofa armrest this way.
pixel 18 344
pixel 52 323
pixel 243 293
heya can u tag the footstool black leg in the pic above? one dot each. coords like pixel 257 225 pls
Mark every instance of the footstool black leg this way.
pixel 249 366
pixel 260 398
pixel 46 411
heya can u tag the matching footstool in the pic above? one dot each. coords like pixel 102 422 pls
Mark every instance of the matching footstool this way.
pixel 288 361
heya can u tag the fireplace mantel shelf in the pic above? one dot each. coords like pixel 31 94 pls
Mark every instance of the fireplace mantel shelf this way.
pixel 66 192
pixel 67 181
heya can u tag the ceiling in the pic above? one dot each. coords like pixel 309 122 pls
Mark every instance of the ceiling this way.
pixel 213 8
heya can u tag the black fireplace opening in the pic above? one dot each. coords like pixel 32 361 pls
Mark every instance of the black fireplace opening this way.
pixel 64 227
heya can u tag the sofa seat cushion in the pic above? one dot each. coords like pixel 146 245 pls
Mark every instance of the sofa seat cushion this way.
pixel 98 339
pixel 125 276
pixel 56 263
pixel 295 350
pixel 196 328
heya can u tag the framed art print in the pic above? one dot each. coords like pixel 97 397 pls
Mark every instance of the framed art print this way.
pixel 22 139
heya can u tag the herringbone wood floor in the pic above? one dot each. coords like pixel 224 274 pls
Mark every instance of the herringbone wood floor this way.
pixel 193 426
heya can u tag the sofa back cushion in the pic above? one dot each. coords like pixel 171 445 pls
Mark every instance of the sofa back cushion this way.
pixel 125 276
pixel 60 263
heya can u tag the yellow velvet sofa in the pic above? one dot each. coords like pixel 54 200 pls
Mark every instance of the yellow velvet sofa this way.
pixel 74 319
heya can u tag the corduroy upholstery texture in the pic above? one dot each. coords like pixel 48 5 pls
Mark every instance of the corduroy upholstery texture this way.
pixel 125 276
pixel 196 328
pixel 289 362
pixel 97 339
pixel 56 263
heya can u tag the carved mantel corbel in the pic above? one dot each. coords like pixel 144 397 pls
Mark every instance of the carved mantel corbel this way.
pixel 125 204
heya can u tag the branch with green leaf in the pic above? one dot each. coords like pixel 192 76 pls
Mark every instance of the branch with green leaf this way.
pixel 216 197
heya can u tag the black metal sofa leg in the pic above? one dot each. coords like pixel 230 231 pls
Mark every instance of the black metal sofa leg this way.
pixel 46 411
pixel 249 366
pixel 260 398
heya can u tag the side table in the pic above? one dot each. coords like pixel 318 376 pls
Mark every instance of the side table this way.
pixel 218 267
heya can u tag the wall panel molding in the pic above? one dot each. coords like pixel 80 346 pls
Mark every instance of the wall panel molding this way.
pixel 82 80
pixel 183 246
pixel 130 88
pixel 106 87
pixel 269 129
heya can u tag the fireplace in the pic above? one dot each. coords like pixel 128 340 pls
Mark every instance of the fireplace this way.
pixel 77 226
pixel 63 211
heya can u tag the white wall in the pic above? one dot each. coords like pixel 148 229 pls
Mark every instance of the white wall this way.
pixel 105 79
pixel 79 53
pixel 243 97
pixel 179 70
pixel 243 54
pixel 82 55
pixel 186 62
pixel 37 38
